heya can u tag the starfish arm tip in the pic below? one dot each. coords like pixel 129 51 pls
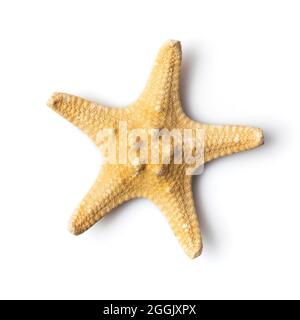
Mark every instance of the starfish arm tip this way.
pixel 259 136
pixel 173 43
pixel 196 253
pixel 254 137
pixel 225 140
pixel 174 46
pixel 54 99
pixel 74 227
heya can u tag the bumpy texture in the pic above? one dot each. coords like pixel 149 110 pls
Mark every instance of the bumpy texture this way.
pixel 168 186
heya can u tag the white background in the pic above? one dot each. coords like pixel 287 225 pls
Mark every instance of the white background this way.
pixel 241 65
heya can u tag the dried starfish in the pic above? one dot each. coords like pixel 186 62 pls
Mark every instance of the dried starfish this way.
pixel 168 186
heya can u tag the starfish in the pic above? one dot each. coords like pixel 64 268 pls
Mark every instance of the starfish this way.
pixel 167 185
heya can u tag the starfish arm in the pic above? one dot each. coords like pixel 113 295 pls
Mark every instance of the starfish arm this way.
pixel 88 116
pixel 175 200
pixel 163 84
pixel 111 188
pixel 220 141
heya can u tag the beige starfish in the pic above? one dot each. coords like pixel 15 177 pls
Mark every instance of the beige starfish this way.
pixel 167 185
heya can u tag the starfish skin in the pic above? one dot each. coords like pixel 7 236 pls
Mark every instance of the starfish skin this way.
pixel 168 186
